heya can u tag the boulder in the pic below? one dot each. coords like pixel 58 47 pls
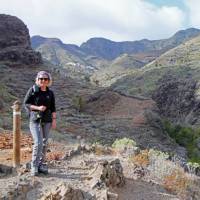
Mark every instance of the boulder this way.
pixel 108 174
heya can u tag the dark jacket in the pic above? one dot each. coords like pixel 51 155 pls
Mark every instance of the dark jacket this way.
pixel 39 98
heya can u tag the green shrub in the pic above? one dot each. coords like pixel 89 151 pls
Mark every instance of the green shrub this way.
pixel 79 103
pixel 158 154
pixel 123 143
pixel 186 137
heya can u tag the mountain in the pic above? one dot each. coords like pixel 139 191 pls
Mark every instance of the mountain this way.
pixel 55 51
pixel 108 49
pixel 66 57
pixel 182 61
pixel 104 61
pixel 38 41
pixel 127 64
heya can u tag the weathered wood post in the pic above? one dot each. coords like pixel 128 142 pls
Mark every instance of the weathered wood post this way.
pixel 16 133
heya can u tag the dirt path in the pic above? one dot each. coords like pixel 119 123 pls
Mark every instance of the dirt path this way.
pixel 140 190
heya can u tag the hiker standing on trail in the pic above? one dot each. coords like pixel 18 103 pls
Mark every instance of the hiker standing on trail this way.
pixel 40 104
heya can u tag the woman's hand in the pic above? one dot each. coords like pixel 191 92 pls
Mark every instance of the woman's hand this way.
pixel 53 123
pixel 42 108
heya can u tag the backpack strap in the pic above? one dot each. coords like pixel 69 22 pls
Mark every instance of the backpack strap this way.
pixel 35 88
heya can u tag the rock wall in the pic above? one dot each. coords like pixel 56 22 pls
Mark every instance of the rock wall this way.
pixel 15 46
pixel 178 100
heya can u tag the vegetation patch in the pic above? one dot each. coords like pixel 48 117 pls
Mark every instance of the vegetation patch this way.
pixel 79 103
pixel 177 182
pixel 142 159
pixel 187 137
pixel 123 143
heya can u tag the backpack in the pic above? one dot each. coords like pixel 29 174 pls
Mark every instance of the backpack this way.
pixel 34 90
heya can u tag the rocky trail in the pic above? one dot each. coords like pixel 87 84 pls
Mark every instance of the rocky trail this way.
pixel 75 167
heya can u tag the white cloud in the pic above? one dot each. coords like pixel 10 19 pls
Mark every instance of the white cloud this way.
pixel 75 21
pixel 194 14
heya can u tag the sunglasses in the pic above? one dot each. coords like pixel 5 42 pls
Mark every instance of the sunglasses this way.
pixel 43 79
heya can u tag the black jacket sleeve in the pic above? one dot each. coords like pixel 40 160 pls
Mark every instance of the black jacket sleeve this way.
pixel 53 106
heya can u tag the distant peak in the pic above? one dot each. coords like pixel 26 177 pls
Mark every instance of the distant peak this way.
pixel 99 38
pixel 187 31
pixel 45 39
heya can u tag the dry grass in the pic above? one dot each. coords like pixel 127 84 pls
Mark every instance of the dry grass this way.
pixel 142 159
pixel 164 172
pixel 102 150
pixel 177 182
pixel 56 155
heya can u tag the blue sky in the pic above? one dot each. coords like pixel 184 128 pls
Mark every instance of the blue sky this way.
pixel 178 3
pixel 75 21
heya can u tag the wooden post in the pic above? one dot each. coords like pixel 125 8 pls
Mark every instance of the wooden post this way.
pixel 16 133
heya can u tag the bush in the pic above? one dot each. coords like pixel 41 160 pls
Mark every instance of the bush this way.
pixel 124 143
pixel 141 159
pixel 159 165
pixel 156 154
pixel 79 103
pixel 192 167
pixel 177 182
pixel 186 137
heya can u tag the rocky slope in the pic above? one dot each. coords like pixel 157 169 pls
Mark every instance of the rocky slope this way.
pixel 15 46
pixel 64 56
pixel 178 99
pixel 118 68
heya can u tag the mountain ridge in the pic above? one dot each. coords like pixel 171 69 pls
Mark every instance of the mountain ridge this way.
pixel 129 47
pixel 96 58
pixel 137 46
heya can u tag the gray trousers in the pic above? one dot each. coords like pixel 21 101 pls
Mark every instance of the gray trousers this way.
pixel 40 134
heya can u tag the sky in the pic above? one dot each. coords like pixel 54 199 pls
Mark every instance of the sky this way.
pixel 76 21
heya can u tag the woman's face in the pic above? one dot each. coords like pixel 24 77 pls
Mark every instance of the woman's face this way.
pixel 43 81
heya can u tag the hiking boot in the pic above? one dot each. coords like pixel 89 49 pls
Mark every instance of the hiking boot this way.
pixel 43 169
pixel 34 171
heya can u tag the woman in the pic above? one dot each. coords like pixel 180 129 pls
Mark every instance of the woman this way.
pixel 40 104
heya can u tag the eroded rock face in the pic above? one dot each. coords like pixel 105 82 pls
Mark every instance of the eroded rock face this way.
pixel 15 46
pixel 178 100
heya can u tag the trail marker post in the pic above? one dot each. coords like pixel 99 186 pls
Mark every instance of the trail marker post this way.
pixel 16 133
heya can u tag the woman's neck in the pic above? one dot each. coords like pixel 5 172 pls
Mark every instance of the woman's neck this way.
pixel 43 88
